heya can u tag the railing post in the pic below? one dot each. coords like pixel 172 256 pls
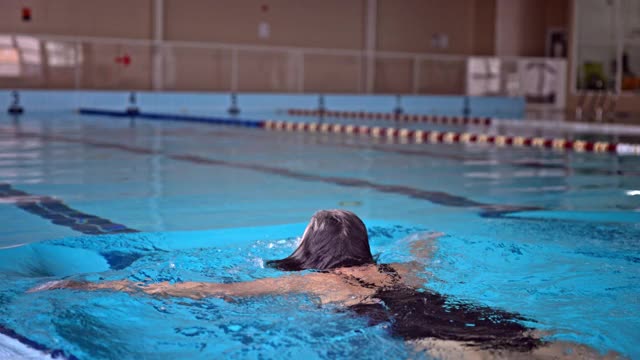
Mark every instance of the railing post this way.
pixel 416 74
pixel 78 65
pixel 372 10
pixel 599 111
pixel 582 98
pixel 301 71
pixel 619 35
pixel 361 73
pixel 156 47
pixel 610 110
pixel 234 69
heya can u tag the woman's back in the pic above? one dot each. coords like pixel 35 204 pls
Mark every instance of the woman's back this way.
pixel 383 294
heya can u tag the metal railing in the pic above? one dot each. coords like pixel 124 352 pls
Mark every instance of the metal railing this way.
pixel 39 61
pixel 596 105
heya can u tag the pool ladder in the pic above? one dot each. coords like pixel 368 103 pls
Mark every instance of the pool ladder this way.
pixel 598 106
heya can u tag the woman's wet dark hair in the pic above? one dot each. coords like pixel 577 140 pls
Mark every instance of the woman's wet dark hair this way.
pixel 333 239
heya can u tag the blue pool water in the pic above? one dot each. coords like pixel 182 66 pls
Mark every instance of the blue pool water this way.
pixel 155 201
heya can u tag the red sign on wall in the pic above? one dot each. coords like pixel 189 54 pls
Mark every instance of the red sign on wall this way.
pixel 26 14
pixel 124 60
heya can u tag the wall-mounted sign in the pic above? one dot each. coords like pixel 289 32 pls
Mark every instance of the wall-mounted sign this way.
pixel 26 14
pixel 541 82
pixel 264 30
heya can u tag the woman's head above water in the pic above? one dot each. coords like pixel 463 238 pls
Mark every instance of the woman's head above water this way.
pixel 333 239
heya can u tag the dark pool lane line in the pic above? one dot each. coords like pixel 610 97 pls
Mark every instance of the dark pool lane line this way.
pixel 519 164
pixel 436 197
pixel 53 353
pixel 59 213
pixel 440 198
pixel 384 147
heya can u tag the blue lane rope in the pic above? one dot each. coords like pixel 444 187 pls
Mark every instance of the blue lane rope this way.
pixel 192 118
pixel 405 134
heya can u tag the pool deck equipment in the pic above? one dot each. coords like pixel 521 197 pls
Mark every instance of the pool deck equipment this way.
pixel 403 135
pixel 234 109
pixel 398 109
pixel 132 109
pixel 15 108
pixel 321 107
pixel 466 109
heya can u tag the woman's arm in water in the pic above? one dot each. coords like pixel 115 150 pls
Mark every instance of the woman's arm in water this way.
pixel 314 283
pixel 269 286
pixel 424 248
pixel 413 272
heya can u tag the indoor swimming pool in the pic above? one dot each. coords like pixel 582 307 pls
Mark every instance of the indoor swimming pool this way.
pixel 551 235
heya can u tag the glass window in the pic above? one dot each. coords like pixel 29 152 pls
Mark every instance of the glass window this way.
pixel 29 49
pixel 9 57
pixel 607 45
pixel 596 44
pixel 630 61
pixel 61 54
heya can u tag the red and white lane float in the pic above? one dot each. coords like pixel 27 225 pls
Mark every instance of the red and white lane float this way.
pixel 430 136
pixel 409 118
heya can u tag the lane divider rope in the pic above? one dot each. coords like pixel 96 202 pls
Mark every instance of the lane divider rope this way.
pixel 415 118
pixel 450 137
pixel 404 135
pixel 581 127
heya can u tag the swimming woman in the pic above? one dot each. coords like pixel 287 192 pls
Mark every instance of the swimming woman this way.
pixel 335 247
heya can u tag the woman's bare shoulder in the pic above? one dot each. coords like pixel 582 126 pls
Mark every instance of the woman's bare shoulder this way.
pixel 413 273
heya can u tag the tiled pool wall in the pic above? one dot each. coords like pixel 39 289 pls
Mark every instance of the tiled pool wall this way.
pixel 261 103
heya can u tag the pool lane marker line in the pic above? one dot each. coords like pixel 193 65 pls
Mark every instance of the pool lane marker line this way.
pixel 519 164
pixel 435 197
pixel 59 213
pixel 402 134
pixel 412 118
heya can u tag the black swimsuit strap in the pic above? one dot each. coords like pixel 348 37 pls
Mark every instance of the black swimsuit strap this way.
pixel 389 270
pixel 382 268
